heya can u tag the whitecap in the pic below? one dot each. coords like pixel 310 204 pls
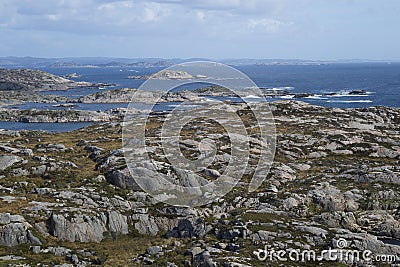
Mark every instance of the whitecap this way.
pixel 287 96
pixel 286 88
pixel 208 99
pixel 316 97
pixel 252 97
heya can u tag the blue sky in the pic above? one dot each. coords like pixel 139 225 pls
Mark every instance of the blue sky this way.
pixel 216 29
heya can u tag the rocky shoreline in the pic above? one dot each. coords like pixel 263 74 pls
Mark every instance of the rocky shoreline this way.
pixel 20 86
pixel 68 198
pixel 35 80
pixel 11 99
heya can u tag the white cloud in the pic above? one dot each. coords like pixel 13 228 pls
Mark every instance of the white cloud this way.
pixel 200 15
pixel 154 12
pixel 216 27
pixel 236 6
pixel 53 17
pixel 267 25
pixel 129 16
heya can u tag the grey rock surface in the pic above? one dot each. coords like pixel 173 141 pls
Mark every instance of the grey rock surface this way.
pixel 14 230
pixel 8 160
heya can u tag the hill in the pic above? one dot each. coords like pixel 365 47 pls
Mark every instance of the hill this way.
pixel 34 80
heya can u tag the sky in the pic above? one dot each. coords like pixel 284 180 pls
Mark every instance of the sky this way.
pixel 214 29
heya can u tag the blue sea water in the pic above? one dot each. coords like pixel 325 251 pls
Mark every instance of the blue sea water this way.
pixel 381 81
pixel 43 126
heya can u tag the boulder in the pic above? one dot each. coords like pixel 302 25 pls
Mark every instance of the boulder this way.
pixel 331 199
pixel 117 223
pixel 203 260
pixel 145 224
pixel 154 250
pixel 8 160
pixel 122 179
pixel 188 228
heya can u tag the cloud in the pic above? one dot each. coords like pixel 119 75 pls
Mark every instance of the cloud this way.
pixel 102 27
pixel 80 17
pixel 154 12
pixel 234 6
pixel 267 25
pixel 215 27
pixel 136 16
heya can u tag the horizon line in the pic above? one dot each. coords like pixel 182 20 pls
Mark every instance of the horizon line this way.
pixel 202 58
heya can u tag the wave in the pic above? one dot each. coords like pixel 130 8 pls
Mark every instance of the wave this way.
pixel 284 88
pixel 319 97
pixel 208 99
pixel 287 97
pixel 253 97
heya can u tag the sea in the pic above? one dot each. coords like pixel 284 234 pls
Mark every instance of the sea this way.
pixel 331 85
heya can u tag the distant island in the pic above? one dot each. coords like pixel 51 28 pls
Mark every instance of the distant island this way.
pixel 169 75
pixel 26 79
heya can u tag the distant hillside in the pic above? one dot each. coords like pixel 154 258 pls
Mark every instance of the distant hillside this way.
pixel 92 62
pixel 35 80
pixel 112 62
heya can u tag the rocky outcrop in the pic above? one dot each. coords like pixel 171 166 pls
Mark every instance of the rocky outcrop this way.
pixel 335 176
pixel 34 80
pixel 123 95
pixel 10 98
pixel 87 228
pixel 57 116
pixel 390 228
pixel 188 228
pixel 122 179
pixel 8 160
pixel 127 95
pixel 145 224
pixel 14 230
pixel 169 75
pixel 331 199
